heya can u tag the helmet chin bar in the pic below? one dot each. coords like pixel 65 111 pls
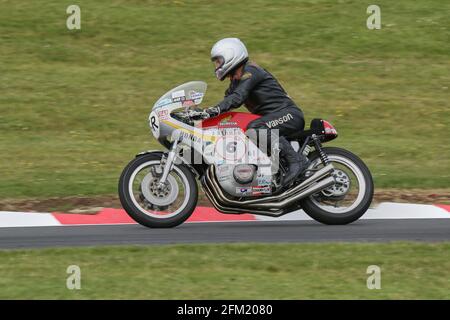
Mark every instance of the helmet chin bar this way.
pixel 220 75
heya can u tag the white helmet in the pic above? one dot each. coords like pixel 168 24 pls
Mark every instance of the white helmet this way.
pixel 230 52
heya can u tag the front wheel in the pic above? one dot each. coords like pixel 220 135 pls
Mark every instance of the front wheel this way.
pixel 348 199
pixel 150 204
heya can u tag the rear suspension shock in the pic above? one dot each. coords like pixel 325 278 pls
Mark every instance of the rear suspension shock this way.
pixel 323 156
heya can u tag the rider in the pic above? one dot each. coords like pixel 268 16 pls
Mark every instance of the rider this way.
pixel 262 94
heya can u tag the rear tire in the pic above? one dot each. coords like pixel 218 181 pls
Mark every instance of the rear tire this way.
pixel 319 214
pixel 137 214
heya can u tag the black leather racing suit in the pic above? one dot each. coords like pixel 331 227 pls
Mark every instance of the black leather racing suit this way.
pixel 262 94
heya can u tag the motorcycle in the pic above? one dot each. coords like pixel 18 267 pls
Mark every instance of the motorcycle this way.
pixel 159 189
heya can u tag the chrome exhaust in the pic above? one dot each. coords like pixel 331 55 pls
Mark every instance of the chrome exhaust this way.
pixel 272 205
pixel 321 173
pixel 231 210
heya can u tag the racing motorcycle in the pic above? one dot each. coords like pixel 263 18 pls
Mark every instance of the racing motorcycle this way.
pixel 159 189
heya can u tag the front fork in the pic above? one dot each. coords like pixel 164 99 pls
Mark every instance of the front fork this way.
pixel 168 162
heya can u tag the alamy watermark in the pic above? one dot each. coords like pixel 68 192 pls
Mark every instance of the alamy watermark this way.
pixel 229 146
pixel 73 22
pixel 374 280
pixel 73 281
pixel 374 20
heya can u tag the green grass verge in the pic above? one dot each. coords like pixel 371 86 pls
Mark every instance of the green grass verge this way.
pixel 230 271
pixel 74 104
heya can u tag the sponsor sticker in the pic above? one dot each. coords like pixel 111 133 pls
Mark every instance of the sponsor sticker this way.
pixel 196 95
pixel 163 102
pixel 178 99
pixel 244 190
pixel 163 114
pixel 187 136
pixel 280 120
pixel 230 124
pixel 261 190
pixel 229 131
pixel 264 180
pixel 223 178
pixel 178 94
pixel 188 103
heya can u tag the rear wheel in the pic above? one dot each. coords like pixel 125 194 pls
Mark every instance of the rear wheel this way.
pixel 348 199
pixel 150 204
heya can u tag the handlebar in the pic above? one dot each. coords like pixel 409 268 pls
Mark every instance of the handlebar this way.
pixel 197 115
pixel 191 114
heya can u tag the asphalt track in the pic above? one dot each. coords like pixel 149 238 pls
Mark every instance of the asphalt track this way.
pixel 226 232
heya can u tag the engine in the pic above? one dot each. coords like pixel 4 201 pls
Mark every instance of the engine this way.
pixel 244 180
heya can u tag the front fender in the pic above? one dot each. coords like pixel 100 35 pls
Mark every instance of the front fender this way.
pixel 149 151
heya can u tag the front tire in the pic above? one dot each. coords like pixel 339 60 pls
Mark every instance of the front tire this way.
pixel 328 214
pixel 155 211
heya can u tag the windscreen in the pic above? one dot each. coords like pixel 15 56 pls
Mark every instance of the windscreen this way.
pixel 185 95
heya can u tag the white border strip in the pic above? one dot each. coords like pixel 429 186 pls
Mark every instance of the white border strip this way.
pixel 386 210
pixel 27 219
pixel 390 210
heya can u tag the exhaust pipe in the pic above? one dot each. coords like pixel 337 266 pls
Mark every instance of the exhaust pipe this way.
pixel 231 210
pixel 272 205
pixel 323 172
pixel 268 211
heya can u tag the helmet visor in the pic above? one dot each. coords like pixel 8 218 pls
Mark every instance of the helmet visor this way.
pixel 218 64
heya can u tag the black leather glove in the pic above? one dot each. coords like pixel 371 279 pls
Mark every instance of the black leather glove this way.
pixel 213 111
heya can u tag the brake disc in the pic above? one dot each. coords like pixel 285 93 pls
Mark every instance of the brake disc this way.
pixel 156 195
pixel 341 187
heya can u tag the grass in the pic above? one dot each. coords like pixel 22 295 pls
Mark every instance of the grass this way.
pixel 229 271
pixel 74 104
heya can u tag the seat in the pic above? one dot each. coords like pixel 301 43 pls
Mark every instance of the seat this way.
pixel 316 127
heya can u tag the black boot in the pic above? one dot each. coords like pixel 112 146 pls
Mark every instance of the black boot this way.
pixel 304 164
pixel 294 163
